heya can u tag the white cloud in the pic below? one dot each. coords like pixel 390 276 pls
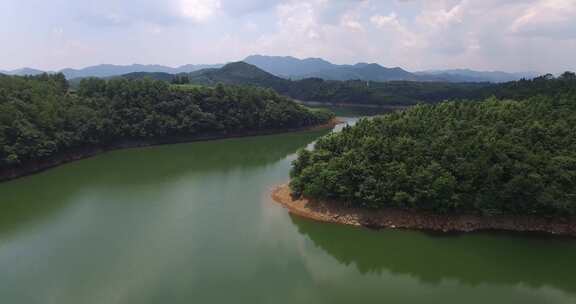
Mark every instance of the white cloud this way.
pixel 304 29
pixel 415 34
pixel 352 23
pixel 239 8
pixel 58 31
pixel 548 18
pixel 442 18
pixel 394 28
pixel 199 10
pixel 434 34
pixel 389 21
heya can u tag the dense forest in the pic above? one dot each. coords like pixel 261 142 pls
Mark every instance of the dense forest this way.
pixel 40 117
pixel 563 86
pixel 497 156
pixel 411 92
pixel 381 93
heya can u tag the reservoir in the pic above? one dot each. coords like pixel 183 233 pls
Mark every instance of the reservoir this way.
pixel 194 223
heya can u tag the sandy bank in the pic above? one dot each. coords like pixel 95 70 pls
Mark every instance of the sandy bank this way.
pixel 397 219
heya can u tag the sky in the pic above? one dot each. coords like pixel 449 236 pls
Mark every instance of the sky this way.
pixel 508 35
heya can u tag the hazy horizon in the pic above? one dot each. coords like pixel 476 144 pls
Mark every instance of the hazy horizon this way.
pixel 242 59
pixel 487 35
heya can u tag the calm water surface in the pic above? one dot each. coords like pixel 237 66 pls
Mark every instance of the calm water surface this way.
pixel 193 223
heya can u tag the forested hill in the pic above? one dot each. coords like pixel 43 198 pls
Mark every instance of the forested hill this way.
pixel 316 89
pixel 392 92
pixel 40 118
pixel 367 92
pixel 381 93
pixel 152 75
pixel 240 73
pixel 546 85
pixel 512 157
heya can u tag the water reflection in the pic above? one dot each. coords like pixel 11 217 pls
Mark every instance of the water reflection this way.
pixel 27 200
pixel 473 259
pixel 142 225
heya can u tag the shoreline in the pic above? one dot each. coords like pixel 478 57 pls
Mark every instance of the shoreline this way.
pixel 80 153
pixel 404 219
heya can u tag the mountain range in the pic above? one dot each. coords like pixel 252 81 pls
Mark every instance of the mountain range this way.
pixel 290 67
pixel 23 72
pixel 468 75
pixel 110 70
pixel 327 91
pixel 294 68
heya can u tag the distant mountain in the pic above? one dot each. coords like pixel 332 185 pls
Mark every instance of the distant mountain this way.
pixel 364 71
pixel 240 73
pixel 289 66
pixel 23 72
pixel 331 91
pixel 236 73
pixel 466 75
pixel 294 68
pixel 108 70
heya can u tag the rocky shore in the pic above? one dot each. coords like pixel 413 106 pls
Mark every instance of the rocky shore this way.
pixel 403 219
pixel 80 153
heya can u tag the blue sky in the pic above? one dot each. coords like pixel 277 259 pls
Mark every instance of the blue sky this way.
pixel 510 35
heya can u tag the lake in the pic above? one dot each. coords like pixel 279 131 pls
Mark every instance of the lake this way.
pixel 194 223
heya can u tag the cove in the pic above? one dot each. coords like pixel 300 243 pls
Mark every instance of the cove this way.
pixel 194 223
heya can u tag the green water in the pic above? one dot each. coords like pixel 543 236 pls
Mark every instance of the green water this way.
pixel 193 223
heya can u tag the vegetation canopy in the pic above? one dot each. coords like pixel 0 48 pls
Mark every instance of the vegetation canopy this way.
pixel 491 157
pixel 40 118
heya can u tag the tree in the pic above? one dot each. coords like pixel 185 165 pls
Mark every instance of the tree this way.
pixel 39 118
pixel 486 157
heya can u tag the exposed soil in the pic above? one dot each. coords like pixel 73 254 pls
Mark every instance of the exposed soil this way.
pixel 403 219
